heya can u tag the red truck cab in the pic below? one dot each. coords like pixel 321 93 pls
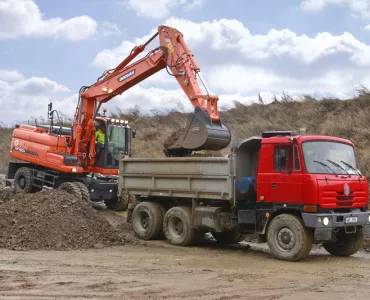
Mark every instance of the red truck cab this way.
pixel 315 179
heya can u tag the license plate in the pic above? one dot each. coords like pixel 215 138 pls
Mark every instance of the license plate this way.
pixel 351 220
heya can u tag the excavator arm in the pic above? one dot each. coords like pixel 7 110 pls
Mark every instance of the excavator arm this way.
pixel 204 130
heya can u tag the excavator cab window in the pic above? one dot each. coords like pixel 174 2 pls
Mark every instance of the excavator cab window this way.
pixel 116 140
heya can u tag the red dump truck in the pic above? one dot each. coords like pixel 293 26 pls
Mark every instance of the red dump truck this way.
pixel 290 188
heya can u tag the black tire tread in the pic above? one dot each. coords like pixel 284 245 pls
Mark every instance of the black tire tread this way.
pixel 156 215
pixel 304 235
pixel 72 188
pixel 85 194
pixel 184 213
pixel 347 245
pixel 27 173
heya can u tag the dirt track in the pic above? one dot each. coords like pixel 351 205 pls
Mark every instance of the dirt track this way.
pixel 157 270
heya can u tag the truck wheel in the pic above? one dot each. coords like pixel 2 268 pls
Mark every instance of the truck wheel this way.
pixel 147 219
pixel 288 238
pixel 229 237
pixel 347 244
pixel 177 226
pixel 85 194
pixel 23 181
pixel 71 187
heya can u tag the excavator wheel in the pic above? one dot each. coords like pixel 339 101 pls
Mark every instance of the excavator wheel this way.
pixel 119 204
pixel 71 187
pixel 23 181
pixel 200 133
pixel 85 194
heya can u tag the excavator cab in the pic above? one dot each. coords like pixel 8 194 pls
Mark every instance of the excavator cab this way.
pixel 112 137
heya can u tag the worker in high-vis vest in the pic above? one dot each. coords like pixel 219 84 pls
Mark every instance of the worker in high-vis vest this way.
pixel 100 134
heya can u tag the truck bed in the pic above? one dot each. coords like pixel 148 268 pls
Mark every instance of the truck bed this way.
pixel 190 177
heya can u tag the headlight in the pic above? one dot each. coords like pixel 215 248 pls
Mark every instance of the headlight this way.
pixel 369 218
pixel 325 221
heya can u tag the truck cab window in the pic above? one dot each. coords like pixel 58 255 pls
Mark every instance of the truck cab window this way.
pixel 283 158
pixel 297 164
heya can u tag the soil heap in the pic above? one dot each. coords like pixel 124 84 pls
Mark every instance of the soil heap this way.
pixel 52 220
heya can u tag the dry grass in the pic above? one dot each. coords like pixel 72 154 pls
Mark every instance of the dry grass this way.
pixel 347 119
pixel 5 137
pixel 341 118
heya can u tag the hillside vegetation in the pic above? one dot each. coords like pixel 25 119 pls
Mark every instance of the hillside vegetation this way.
pixel 348 119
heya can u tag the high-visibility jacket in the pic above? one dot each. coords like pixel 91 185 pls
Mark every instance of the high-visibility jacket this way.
pixel 100 137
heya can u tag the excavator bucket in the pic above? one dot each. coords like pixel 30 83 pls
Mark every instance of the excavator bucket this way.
pixel 200 133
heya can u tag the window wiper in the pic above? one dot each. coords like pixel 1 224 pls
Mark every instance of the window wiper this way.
pixel 349 166
pixel 325 165
pixel 339 166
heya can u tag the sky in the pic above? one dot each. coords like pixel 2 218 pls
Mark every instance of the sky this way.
pixel 49 49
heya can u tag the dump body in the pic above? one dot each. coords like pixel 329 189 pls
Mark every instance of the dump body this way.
pixel 190 177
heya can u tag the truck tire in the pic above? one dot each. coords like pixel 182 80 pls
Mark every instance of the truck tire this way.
pixel 71 187
pixel 23 181
pixel 229 237
pixel 85 194
pixel 288 238
pixel 177 227
pixel 347 244
pixel 147 219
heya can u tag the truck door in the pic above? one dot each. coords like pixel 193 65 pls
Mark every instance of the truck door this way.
pixel 286 180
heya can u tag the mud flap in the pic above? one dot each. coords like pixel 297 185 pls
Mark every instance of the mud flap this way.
pixel 200 133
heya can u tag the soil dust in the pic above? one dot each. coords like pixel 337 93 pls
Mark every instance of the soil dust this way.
pixel 105 261
pixel 52 219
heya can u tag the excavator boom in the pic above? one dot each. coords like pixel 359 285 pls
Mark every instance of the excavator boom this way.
pixel 204 130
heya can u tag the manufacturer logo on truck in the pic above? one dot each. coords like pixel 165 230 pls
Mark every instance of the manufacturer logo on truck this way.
pixel 127 75
pixel 347 190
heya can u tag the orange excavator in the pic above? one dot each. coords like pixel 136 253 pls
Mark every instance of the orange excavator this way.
pixel 64 157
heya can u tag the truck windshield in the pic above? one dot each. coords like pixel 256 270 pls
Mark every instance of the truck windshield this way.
pixel 326 157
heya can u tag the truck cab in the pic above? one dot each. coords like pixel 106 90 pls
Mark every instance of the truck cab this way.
pixel 313 181
pixel 319 172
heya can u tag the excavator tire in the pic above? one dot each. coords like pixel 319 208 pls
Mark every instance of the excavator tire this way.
pixel 23 181
pixel 71 187
pixel 120 204
pixel 85 194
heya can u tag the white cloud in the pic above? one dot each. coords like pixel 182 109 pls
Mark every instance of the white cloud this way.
pixel 238 64
pixel 234 37
pixel 24 98
pixel 251 80
pixel 23 18
pixel 108 29
pixel 160 9
pixel 359 7
pixel 6 75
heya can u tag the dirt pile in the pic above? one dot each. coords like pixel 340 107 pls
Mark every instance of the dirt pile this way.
pixel 52 220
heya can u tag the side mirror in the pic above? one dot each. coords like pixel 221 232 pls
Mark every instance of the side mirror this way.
pixel 133 133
